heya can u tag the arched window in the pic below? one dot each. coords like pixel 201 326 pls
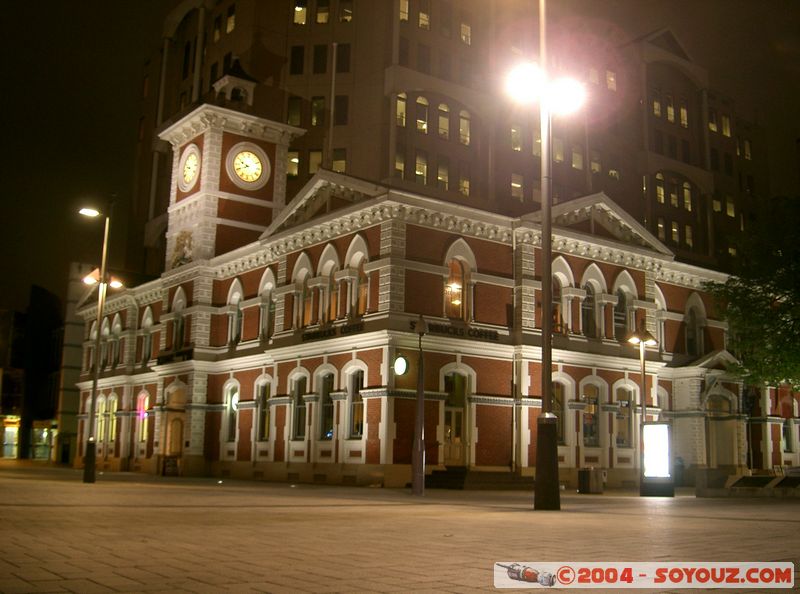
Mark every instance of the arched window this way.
pixel 621 315
pixel 235 314
pixel 355 384
pixel 307 304
pixel 363 289
pixel 299 405
pixel 105 355
pixel 262 403
pixel 326 407
pixel 178 331
pixel 116 341
pixel 444 121
pixel 267 309
pixel 454 291
pixel 591 416
pixel 464 127
pixel 558 409
pixel 112 418
pixel 142 407
pixel 626 401
pixel 558 318
pixel 694 334
pixel 588 312
pixel 422 115
pixel 333 296
pixel 147 339
pixel 100 421
pixel 231 412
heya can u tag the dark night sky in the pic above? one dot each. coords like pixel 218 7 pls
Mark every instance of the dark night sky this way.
pixel 73 76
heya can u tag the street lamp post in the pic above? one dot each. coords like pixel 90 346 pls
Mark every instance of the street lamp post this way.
pixel 90 455
pixel 528 83
pixel 418 455
pixel 643 339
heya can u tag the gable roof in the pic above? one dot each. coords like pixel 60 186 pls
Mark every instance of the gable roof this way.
pixel 599 209
pixel 666 40
pixel 324 193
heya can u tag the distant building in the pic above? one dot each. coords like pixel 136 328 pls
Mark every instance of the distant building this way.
pixel 409 94
pixel 30 352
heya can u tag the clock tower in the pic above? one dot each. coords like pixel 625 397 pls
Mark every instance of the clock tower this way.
pixel 228 180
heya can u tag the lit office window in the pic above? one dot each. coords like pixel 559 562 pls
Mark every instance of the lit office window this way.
pixel 687 235
pixel 670 109
pixel 323 11
pixel 464 127
pixel 712 119
pixel 726 125
pixel 747 154
pixel 401 110
pixel 443 175
pixel 424 14
pixel 716 204
pixel 339 164
pixel 596 163
pixel 624 418
pixel 422 115
pixel 730 207
pixel 400 162
pixel 516 138
pixel 558 150
pixel 421 167
pixel 662 234
pixel 611 80
pixel 293 164
pixel 217 29
pixel 675 236
pixel 516 186
pixel 577 157
pixel 656 104
pixel 444 121
pixel 314 161
pixel 230 22
pixel 317 111
pixel 687 196
pixel 466 33
pixel 403 10
pixel 684 115
pixel 345 11
pixel 300 12
pixel 463 180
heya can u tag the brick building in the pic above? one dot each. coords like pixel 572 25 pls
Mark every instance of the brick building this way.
pixel 268 354
pixel 314 175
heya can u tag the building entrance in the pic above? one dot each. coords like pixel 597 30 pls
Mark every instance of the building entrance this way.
pixel 455 450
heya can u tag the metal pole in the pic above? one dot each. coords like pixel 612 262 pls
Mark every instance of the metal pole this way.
pixel 546 487
pixel 643 398
pixel 418 455
pixel 90 458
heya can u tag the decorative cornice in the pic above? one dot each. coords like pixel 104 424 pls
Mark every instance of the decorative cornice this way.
pixel 490 400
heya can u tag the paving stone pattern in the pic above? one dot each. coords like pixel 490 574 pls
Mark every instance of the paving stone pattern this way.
pixel 134 533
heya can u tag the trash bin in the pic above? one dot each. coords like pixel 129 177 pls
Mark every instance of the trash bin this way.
pixel 590 480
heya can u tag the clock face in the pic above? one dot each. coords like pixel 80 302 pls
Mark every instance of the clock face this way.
pixel 190 167
pixel 247 166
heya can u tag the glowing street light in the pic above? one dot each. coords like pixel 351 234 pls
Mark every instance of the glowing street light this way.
pixel 96 277
pixel 529 83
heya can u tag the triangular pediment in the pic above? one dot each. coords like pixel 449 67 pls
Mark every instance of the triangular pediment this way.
pixel 325 193
pixel 666 40
pixel 720 360
pixel 599 216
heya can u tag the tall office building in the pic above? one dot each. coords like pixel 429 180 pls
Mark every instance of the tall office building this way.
pixel 410 93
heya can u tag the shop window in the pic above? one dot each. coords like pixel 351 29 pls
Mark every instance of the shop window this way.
pixel 299 406
pixel 326 407
pixel 262 398
pixel 142 406
pixel 591 416
pixel 624 417
pixel 356 417
pixel 231 413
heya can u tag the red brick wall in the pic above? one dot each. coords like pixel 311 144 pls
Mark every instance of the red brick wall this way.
pixel 373 437
pixel 280 437
pixel 492 304
pixel 404 412
pixel 493 447
pixel 229 238
pixel 245 424
pixel 424 293
pixel 493 376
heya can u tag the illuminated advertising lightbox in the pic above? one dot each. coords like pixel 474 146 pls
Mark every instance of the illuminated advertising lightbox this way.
pixel 656 450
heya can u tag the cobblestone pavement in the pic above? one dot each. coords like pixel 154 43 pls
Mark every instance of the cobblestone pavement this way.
pixel 134 533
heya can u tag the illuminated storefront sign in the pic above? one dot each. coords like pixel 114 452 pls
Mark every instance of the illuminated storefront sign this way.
pixel 656 450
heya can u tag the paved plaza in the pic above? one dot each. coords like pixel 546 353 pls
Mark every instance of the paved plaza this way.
pixel 134 533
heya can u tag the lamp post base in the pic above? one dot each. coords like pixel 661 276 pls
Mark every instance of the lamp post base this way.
pixel 546 490
pixel 89 462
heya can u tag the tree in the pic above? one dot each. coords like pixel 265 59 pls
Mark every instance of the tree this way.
pixel 761 300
